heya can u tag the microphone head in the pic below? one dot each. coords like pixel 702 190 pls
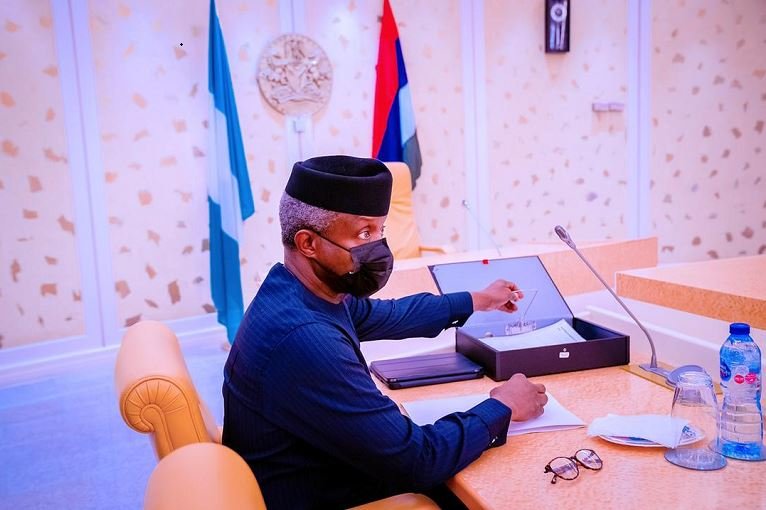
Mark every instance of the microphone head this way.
pixel 564 236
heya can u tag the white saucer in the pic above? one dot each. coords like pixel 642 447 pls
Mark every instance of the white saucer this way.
pixel 689 436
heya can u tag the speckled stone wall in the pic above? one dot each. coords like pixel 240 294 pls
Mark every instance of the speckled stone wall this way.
pixel 429 35
pixel 708 188
pixel 40 289
pixel 153 100
pixel 552 160
pixel 160 259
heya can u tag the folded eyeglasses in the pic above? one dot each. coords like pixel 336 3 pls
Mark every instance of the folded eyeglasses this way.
pixel 566 467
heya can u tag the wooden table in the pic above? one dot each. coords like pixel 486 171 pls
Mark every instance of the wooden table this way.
pixel 511 476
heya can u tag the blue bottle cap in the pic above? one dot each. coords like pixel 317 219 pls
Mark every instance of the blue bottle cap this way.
pixel 739 328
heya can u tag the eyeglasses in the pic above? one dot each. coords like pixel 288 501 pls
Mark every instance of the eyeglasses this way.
pixel 566 467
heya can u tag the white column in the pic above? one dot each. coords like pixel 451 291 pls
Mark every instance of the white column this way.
pixel 477 196
pixel 75 58
pixel 639 116
pixel 299 130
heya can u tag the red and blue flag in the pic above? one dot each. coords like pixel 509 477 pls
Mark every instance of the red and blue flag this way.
pixel 393 131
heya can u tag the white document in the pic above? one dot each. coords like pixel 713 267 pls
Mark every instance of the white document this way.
pixel 555 334
pixel 555 417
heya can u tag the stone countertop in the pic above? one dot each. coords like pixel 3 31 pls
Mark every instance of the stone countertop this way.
pixel 732 290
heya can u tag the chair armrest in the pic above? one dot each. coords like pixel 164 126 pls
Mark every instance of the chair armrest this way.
pixel 161 407
pixel 407 501
pixel 155 391
pixel 202 476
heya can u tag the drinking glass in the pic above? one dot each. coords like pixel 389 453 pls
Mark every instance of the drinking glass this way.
pixel 695 401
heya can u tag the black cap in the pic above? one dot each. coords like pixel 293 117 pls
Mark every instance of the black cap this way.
pixel 360 186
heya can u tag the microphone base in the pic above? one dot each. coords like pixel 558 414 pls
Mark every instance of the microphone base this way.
pixel 671 376
pixel 663 375
pixel 655 370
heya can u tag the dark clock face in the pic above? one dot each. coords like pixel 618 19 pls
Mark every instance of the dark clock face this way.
pixel 557 26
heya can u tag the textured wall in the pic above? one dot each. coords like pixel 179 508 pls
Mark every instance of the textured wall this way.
pixel 429 34
pixel 708 163
pixel 154 132
pixel 153 108
pixel 347 31
pixel 40 296
pixel 551 158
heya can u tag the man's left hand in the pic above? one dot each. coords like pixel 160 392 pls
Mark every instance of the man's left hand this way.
pixel 500 295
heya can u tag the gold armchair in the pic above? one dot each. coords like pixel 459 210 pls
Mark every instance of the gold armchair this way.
pixel 157 397
pixel 402 230
pixel 200 476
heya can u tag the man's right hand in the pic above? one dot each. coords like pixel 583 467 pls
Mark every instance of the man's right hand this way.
pixel 525 399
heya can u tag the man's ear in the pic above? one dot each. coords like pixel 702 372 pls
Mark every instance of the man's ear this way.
pixel 305 243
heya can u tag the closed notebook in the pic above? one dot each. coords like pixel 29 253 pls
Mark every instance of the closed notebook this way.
pixel 425 369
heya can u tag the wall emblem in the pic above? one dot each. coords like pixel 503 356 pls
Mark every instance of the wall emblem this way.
pixel 295 75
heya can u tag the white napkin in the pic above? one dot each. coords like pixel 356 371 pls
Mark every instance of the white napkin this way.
pixel 660 428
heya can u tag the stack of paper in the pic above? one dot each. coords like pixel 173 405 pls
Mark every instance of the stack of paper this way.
pixel 555 334
pixel 555 417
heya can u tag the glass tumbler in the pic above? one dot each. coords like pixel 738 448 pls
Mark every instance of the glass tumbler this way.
pixel 695 401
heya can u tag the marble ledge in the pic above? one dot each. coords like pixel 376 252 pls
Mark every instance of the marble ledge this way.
pixel 732 290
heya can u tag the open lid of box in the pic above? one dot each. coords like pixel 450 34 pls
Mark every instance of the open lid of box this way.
pixel 528 273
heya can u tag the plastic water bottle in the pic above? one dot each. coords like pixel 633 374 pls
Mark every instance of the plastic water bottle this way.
pixel 741 429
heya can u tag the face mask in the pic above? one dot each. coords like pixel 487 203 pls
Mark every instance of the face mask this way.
pixel 373 263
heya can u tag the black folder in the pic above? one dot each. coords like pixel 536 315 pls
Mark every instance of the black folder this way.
pixel 425 369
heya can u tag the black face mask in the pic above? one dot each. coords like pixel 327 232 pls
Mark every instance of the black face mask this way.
pixel 373 263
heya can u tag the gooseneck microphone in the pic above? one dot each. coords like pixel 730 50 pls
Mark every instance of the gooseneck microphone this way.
pixel 481 227
pixel 670 377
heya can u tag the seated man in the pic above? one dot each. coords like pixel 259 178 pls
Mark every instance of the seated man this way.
pixel 299 403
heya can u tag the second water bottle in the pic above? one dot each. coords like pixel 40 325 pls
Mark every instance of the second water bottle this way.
pixel 741 427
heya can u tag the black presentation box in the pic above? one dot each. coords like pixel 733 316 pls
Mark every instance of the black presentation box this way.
pixel 602 348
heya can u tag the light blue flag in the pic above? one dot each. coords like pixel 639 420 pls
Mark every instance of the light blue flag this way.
pixel 230 200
